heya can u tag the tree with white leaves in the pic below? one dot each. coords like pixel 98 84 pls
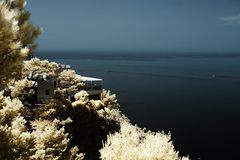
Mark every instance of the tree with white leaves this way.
pixel 17 39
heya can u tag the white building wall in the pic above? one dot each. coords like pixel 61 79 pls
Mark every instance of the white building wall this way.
pixel 43 89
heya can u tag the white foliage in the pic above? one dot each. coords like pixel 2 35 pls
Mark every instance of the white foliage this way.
pixel 133 143
pixel 81 99
pixel 111 108
pixel 41 67
pixel 51 140
pixel 70 81
pixel 9 109
pixel 12 52
pixel 20 87
pixel 10 16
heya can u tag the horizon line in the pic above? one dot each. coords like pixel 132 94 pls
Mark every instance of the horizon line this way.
pixel 132 52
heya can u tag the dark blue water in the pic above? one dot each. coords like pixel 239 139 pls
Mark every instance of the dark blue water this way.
pixel 194 96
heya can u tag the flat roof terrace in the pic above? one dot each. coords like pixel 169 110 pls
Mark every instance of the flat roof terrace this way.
pixel 90 79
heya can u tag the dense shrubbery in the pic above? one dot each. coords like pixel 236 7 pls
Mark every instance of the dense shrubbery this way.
pixel 60 129
pixel 70 81
pixel 40 67
pixel 17 36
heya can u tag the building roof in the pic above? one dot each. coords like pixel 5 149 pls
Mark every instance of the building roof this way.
pixel 85 79
pixel 40 77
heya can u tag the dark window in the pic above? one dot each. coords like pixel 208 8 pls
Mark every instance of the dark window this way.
pixel 47 92
pixel 55 84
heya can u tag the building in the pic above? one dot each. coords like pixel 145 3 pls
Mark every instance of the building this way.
pixel 45 86
pixel 93 86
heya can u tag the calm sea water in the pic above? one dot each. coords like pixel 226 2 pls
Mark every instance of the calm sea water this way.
pixel 196 97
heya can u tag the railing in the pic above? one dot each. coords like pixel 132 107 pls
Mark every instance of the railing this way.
pixel 92 87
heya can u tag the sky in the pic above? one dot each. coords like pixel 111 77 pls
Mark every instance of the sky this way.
pixel 137 25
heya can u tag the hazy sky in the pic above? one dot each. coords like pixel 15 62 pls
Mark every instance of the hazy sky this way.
pixel 138 25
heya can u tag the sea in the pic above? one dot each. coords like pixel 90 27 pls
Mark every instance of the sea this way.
pixel 193 96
